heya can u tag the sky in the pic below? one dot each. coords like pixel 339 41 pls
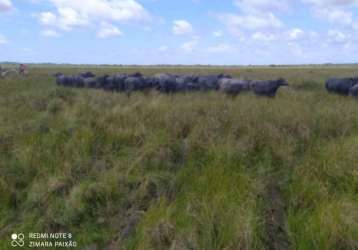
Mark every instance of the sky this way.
pixel 219 32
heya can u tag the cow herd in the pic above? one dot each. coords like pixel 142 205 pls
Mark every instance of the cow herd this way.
pixel 170 83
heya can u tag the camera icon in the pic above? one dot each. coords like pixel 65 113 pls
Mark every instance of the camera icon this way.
pixel 17 240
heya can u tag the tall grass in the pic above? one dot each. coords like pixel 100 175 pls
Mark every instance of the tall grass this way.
pixel 188 171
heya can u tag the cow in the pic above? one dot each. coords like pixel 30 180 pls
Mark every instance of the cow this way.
pixel 267 88
pixel 119 82
pixel 132 84
pixel 233 87
pixel 210 82
pixel 149 83
pixel 137 74
pixel 102 82
pixel 90 82
pixel 78 81
pixel 187 83
pixel 110 83
pixel 340 86
pixel 67 81
pixel 87 75
pixel 166 83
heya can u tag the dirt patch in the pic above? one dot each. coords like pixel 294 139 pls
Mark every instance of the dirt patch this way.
pixel 275 218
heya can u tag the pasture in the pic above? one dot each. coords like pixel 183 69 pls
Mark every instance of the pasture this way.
pixel 185 171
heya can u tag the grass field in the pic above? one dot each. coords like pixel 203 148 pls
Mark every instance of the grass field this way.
pixel 188 171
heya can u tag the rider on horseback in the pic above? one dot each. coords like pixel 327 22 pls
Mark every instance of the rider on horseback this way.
pixel 22 69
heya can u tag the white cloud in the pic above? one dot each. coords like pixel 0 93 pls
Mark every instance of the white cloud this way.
pixel 5 5
pixel 70 14
pixel 295 34
pixel 182 27
pixel 263 37
pixel 332 2
pixel 336 36
pixel 3 39
pixel 48 18
pixel 50 33
pixel 108 30
pixel 336 16
pixel 237 23
pixel 334 11
pixel 218 33
pixel 262 5
pixel 66 19
pixel 256 16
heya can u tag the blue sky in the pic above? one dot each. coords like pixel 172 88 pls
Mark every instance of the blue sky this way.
pixel 179 32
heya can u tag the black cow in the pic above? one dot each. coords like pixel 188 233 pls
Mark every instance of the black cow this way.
pixel 90 82
pixel 210 82
pixel 221 76
pixel 149 83
pixel 77 81
pixel 69 81
pixel 166 83
pixel 187 83
pixel 110 83
pixel 267 88
pixel 137 74
pixel 87 75
pixel 340 85
pixel 132 84
pixel 233 87
pixel 119 82
pixel 102 82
